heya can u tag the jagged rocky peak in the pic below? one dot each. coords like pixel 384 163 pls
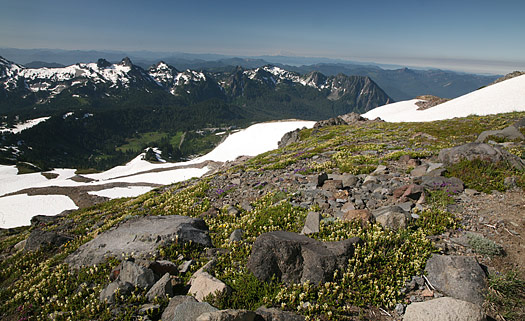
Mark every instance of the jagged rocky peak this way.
pixel 103 63
pixel 315 79
pixel 126 62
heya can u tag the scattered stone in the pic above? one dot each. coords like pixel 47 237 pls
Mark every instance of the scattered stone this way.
pixel 410 191
pixel 321 178
pixel 204 284
pixel 20 245
pixel 236 235
pixel 452 185
pixel 332 185
pixel 39 239
pixel 370 180
pixel 380 170
pixel 142 236
pixel 137 275
pixel 349 180
pixel 161 288
pixel 190 311
pixel 295 258
pixel 471 192
pixel 419 171
pixel 406 206
pixel 443 309
pixel 185 266
pixel 413 162
pixel 39 220
pixel 228 315
pixel 311 225
pixel 273 314
pixel 392 217
pixel 168 313
pixel 109 292
pixel 400 309
pixel 364 216
pixel 460 277
pixel 162 267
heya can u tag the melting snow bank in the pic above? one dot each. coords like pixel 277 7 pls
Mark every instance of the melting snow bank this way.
pixel 25 125
pixel 17 210
pixel 118 192
pixel 504 97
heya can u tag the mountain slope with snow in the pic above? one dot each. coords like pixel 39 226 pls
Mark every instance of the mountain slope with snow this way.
pixel 503 97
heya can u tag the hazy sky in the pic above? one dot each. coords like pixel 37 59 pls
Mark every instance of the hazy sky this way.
pixel 478 35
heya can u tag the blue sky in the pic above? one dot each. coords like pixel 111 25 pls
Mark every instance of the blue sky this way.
pixel 477 36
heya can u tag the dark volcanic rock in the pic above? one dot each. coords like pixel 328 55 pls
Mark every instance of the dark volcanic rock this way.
pixel 39 239
pixel 460 277
pixel 289 138
pixel 140 236
pixel 295 258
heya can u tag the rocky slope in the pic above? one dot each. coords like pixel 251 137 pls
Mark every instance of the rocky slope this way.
pixel 350 220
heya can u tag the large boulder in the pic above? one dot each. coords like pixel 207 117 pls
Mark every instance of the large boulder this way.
pixel 289 138
pixel 190 311
pixel 444 309
pixel 141 237
pixel 460 277
pixel 508 133
pixel 39 239
pixel 295 258
pixel 161 288
pixel 168 313
pixel 481 151
pixel 450 184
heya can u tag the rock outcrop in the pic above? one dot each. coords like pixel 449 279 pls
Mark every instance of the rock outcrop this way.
pixel 140 236
pixel 295 258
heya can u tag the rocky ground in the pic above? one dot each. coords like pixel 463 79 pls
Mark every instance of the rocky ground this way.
pixel 351 220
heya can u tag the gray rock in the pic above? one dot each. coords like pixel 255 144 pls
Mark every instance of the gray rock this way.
pixel 137 275
pixel 273 314
pixel 169 312
pixel 400 308
pixel 295 258
pixel 392 217
pixel 481 151
pixel 190 311
pixel 349 180
pixel 161 288
pixel 509 133
pixel 444 309
pixel 236 235
pixel 228 315
pixel 39 239
pixel 460 277
pixel 370 180
pixel 433 167
pixel 185 266
pixel 311 225
pixel 162 267
pixel 453 185
pixel 419 171
pixel 289 138
pixel 109 292
pixel 380 170
pixel 406 206
pixel 140 236
pixel 204 284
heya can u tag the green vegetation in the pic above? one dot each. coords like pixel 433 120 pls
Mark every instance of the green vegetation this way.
pixel 485 176
pixel 506 295
pixel 137 144
pixel 483 245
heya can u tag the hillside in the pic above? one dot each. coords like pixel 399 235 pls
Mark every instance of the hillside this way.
pixel 388 210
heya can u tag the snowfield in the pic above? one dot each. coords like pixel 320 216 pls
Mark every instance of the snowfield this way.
pixel 25 125
pixel 503 97
pixel 17 210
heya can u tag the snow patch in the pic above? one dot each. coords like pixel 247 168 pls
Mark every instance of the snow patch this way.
pixel 25 125
pixel 17 210
pixel 504 97
pixel 118 192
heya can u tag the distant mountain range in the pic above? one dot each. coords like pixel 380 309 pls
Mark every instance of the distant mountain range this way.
pixel 398 82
